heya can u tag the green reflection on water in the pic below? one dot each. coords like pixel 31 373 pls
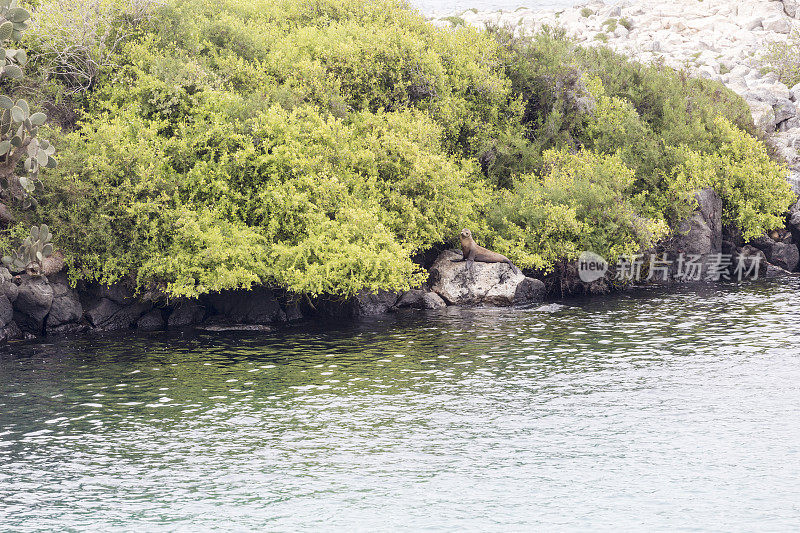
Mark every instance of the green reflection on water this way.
pixel 459 418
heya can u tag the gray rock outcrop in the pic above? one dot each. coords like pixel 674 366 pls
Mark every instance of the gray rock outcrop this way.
pixel 785 256
pixel 33 303
pixel 66 312
pixel 153 320
pixel 186 313
pixel 109 315
pixel 701 233
pixel 6 311
pixel 255 306
pixel 420 299
pixel 371 304
pixel 488 283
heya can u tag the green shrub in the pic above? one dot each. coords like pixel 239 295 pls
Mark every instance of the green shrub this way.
pixel 610 25
pixel 316 148
pixel 290 198
pixel 319 146
pixel 75 41
pixel 782 58
pixel 580 203
pixel 594 98
pixel 650 117
pixel 625 23
pixel 753 188
pixel 586 12
pixel 455 21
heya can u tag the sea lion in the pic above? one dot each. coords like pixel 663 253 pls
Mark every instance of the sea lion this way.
pixel 471 252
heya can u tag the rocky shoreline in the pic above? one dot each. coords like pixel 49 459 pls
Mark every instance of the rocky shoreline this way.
pixel 714 39
pixel 34 306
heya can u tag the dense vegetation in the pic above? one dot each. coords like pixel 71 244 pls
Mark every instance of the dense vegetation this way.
pixel 319 145
pixel 783 59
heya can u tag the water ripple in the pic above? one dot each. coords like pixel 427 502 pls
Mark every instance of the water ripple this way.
pixel 653 409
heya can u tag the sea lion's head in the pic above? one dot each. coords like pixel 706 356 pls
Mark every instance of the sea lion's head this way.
pixel 466 234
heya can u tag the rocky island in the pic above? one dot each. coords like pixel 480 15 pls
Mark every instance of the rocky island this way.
pixel 266 173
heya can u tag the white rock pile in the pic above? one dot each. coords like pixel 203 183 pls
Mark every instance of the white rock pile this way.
pixel 714 39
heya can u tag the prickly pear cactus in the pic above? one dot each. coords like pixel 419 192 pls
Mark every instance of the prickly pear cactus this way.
pixel 19 126
pixel 28 258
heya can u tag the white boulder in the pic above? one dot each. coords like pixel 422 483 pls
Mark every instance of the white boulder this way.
pixel 784 110
pixel 777 24
pixel 791 8
pixel 763 115
pixel 487 283
pixel 752 23
pixel 795 93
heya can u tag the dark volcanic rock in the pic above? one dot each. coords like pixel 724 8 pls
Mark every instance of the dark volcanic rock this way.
pixel 293 311
pixel 773 271
pixel 235 327
pixel 372 304
pixel 419 299
pixel 153 320
pixel 108 315
pixel 793 222
pixel 728 248
pixel 529 290
pixel 701 234
pixel 102 312
pixel 703 230
pixel 60 284
pixel 66 309
pixel 6 311
pixel 364 304
pixel 33 303
pixel 785 256
pixel 10 331
pixel 746 257
pixel 765 244
pixel 256 306
pixel 779 253
pixel 118 293
pixel 10 290
pixel 186 313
